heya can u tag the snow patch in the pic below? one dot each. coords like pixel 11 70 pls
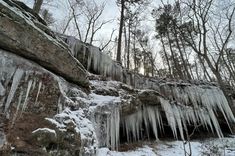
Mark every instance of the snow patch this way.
pixel 47 130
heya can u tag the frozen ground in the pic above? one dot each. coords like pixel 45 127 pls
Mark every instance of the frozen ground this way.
pixel 209 147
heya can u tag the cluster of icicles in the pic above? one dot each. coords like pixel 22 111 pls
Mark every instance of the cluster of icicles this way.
pixel 204 105
pixel 188 105
pixel 97 61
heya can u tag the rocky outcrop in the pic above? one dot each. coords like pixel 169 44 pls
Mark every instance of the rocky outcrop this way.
pixel 169 106
pixel 29 96
pixel 43 114
pixel 23 34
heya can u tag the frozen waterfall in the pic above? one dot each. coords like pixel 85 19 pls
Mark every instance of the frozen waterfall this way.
pixel 184 107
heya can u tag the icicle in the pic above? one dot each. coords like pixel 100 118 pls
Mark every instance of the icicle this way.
pixel 148 117
pixel 17 109
pixel 113 126
pixel 108 128
pixel 215 123
pixel 27 94
pixel 16 80
pixel 146 122
pixel 39 88
pixel 2 90
pixel 34 84
pixel 178 120
pixel 169 115
pixel 153 121
pixel 159 120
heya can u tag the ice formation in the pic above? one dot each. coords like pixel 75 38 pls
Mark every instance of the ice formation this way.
pixel 98 62
pixel 181 106
pixel 16 80
pixel 149 117
pixel 39 89
pixel 106 118
pixel 27 94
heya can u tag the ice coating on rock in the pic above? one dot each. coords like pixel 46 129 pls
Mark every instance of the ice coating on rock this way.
pixel 96 61
pixel 39 88
pixel 105 115
pixel 27 95
pixel 16 80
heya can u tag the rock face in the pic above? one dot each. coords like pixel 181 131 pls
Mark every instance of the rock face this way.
pixel 22 34
pixel 29 95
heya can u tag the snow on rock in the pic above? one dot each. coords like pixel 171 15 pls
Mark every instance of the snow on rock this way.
pixel 45 136
pixel 76 120
pixel 45 130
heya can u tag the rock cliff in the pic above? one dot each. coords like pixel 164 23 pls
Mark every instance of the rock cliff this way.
pixel 23 34
pixel 49 107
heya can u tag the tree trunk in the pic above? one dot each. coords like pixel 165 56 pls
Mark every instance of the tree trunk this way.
pixel 179 72
pixel 181 54
pixel 118 58
pixel 128 45
pixel 167 59
pixel 125 47
pixel 206 74
pixel 37 5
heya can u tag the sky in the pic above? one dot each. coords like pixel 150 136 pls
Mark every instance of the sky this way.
pixel 60 11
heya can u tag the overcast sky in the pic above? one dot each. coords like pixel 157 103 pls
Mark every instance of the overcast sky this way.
pixel 60 9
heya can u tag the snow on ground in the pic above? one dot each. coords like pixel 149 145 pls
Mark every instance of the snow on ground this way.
pixel 145 151
pixel 208 147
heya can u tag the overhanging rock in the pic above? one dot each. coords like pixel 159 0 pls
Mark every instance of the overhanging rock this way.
pixel 137 113
pixel 23 34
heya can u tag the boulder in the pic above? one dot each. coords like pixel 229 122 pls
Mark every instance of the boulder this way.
pixel 23 34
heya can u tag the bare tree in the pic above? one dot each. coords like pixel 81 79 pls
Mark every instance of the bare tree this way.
pixel 212 36
pixel 87 19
